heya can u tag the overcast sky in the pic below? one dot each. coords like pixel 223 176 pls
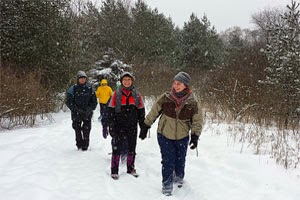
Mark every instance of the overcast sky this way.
pixel 222 14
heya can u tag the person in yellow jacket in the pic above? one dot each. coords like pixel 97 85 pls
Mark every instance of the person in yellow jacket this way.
pixel 103 93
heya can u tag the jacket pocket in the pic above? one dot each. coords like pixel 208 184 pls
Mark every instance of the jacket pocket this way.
pixel 161 124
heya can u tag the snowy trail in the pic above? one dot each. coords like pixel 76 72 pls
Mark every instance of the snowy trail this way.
pixel 43 163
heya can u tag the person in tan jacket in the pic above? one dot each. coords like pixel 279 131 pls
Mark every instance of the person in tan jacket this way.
pixel 180 122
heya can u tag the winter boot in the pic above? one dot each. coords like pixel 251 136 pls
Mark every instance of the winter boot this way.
pixel 167 190
pixel 130 162
pixel 115 164
pixel 114 176
pixel 85 145
pixel 178 181
pixel 130 165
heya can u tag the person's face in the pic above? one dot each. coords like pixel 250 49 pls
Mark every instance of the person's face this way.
pixel 178 86
pixel 82 80
pixel 127 81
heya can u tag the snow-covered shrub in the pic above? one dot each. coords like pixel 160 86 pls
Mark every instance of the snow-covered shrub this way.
pixel 108 68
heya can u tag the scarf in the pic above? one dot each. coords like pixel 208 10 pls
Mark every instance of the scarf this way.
pixel 179 97
pixel 127 92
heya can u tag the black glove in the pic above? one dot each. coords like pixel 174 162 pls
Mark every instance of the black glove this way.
pixel 112 131
pixel 144 131
pixel 89 111
pixel 75 109
pixel 194 141
pixel 86 113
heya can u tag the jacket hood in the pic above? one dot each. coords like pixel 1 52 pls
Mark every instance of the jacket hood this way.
pixel 103 81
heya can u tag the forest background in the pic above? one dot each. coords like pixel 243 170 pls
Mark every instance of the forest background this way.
pixel 242 76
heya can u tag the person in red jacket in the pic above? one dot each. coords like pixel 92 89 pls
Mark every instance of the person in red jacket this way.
pixel 126 110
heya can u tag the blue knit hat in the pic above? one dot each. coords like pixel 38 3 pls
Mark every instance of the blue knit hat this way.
pixel 183 77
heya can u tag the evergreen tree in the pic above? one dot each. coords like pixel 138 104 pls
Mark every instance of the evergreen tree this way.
pixel 153 33
pixel 35 37
pixel 283 53
pixel 85 35
pixel 201 46
pixel 115 27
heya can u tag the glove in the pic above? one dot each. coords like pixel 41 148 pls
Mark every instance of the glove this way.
pixel 112 131
pixel 87 113
pixel 144 131
pixel 75 110
pixel 89 109
pixel 104 132
pixel 194 141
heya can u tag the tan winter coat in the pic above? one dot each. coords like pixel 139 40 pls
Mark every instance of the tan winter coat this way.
pixel 174 123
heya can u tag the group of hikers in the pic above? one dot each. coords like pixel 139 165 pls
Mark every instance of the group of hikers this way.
pixel 180 122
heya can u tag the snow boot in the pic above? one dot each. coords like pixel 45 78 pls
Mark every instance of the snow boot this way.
pixel 130 162
pixel 133 173
pixel 114 176
pixel 178 181
pixel 84 148
pixel 115 164
pixel 167 191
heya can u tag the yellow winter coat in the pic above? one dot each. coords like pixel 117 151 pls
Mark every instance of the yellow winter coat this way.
pixel 104 92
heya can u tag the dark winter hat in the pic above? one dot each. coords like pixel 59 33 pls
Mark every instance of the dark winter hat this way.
pixel 128 74
pixel 81 74
pixel 183 77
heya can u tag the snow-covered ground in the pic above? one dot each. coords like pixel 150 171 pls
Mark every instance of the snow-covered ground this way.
pixel 43 163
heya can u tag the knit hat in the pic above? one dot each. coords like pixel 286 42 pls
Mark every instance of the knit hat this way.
pixel 81 74
pixel 128 74
pixel 183 77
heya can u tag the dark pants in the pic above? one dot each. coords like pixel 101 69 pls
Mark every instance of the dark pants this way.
pixel 128 136
pixel 82 132
pixel 173 153
pixel 104 114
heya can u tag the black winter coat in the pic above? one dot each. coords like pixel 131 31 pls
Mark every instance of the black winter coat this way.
pixel 81 100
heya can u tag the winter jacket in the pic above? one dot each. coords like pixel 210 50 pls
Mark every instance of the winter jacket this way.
pixel 126 108
pixel 175 123
pixel 81 100
pixel 104 92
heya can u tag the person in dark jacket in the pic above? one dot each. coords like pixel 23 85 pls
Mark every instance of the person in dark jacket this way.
pixel 126 110
pixel 179 114
pixel 81 100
